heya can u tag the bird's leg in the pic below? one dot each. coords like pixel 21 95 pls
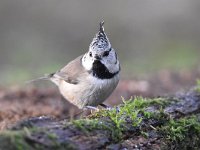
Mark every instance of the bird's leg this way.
pixel 110 108
pixel 90 108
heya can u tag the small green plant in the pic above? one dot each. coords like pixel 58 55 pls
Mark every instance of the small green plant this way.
pixel 133 107
pixel 120 117
pixel 87 125
pixel 177 130
pixel 128 111
pixel 131 112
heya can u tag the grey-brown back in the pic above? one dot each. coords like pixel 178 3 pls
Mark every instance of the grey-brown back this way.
pixel 72 72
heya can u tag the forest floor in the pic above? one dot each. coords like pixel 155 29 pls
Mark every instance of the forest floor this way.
pixel 21 109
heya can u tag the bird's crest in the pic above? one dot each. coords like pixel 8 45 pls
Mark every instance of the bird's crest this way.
pixel 100 42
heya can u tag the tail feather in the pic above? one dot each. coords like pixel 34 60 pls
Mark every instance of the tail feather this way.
pixel 45 77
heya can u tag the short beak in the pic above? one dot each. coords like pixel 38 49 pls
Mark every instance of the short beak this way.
pixel 97 57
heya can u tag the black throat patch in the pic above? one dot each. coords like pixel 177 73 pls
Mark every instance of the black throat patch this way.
pixel 100 71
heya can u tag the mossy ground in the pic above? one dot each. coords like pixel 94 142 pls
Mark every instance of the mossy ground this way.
pixel 137 117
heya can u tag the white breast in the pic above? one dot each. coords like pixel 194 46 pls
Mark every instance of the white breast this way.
pixel 90 91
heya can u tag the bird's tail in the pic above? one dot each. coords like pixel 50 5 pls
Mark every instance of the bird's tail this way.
pixel 45 77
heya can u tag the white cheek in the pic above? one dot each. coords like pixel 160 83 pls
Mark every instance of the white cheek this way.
pixel 111 64
pixel 109 61
pixel 112 59
pixel 87 64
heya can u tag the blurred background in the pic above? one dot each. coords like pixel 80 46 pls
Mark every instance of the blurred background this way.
pixel 41 36
pixel 158 43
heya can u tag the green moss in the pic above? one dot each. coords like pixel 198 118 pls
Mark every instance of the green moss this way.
pixel 129 114
pixel 184 132
pixel 132 109
pixel 21 140
pixel 86 125
pixel 138 116
pixel 89 125
pixel 129 110
pixel 129 106
pixel 134 113
pixel 139 102
pixel 13 140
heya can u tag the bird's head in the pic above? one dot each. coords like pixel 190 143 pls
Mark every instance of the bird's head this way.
pixel 100 50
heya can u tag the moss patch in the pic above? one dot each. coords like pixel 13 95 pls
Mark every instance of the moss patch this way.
pixel 25 140
pixel 182 133
pixel 129 116
pixel 136 117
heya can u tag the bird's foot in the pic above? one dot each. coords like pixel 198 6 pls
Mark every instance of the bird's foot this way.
pixel 91 108
pixel 110 108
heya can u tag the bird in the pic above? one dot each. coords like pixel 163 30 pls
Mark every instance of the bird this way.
pixel 89 80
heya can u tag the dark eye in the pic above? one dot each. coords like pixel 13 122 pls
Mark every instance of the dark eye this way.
pixel 106 53
pixel 90 54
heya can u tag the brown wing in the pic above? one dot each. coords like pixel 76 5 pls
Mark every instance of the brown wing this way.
pixel 72 71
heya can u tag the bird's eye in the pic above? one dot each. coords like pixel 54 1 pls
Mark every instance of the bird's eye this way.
pixel 90 54
pixel 106 53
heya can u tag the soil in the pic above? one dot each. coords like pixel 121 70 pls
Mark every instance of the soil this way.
pixel 155 132
pixel 18 103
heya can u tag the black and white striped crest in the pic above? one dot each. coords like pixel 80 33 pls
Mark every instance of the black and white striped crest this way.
pixel 100 42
